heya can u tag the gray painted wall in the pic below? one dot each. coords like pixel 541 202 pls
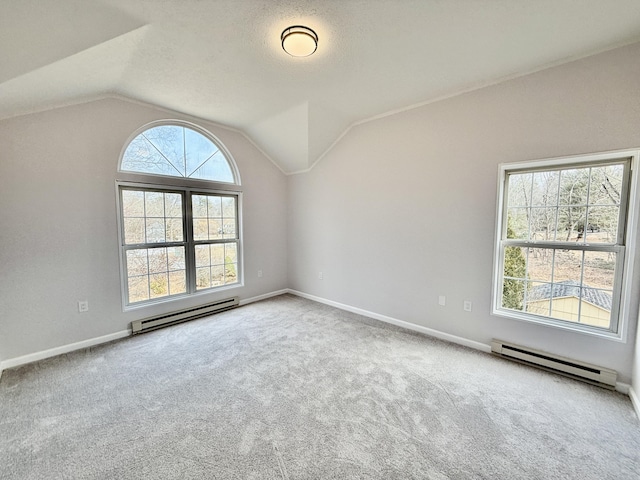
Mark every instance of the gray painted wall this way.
pixel 403 208
pixel 58 234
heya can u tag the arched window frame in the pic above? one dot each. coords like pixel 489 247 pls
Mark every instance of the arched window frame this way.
pixel 187 188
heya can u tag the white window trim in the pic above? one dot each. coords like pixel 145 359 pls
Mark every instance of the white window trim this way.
pixel 633 211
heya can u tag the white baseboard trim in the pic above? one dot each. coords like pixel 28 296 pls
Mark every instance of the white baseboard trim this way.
pixel 635 401
pixel 623 388
pixel 247 301
pixel 34 357
pixel 400 323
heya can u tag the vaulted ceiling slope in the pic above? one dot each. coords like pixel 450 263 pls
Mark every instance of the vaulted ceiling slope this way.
pixel 221 60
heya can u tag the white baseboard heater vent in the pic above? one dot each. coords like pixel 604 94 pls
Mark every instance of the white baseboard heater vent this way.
pixel 153 323
pixel 602 377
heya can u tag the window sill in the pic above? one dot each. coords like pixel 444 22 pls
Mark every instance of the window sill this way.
pixel 559 324
pixel 177 298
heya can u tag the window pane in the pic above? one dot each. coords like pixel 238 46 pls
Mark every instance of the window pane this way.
pixel 133 231
pixel 157 260
pixel 155 230
pixel 515 262
pixel 574 185
pixel 217 254
pixel 203 278
pixel 215 228
pixel 513 294
pixel 137 263
pixel 543 224
pixel 173 229
pixel 199 206
pixel 173 205
pixel 571 221
pixel 538 298
pixel 177 282
pixel 567 266
pixel 200 229
pixel 599 269
pixel 214 206
pixel 603 224
pixel 519 190
pixel 203 258
pixel 217 275
pixel 175 258
pixel 231 263
pixel 545 189
pixel 606 185
pixel 595 308
pixel 142 156
pixel 215 167
pixel 229 228
pixel 158 285
pixel 132 203
pixel 138 288
pixel 518 223
pixel 230 253
pixel 229 207
pixel 154 204
pixel 540 264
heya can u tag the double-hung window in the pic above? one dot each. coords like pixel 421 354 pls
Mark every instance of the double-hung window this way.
pixel 179 207
pixel 564 229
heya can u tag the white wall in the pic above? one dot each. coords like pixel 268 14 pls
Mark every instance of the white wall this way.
pixel 58 235
pixel 403 208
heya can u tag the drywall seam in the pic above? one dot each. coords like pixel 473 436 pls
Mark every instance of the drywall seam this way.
pixel 52 352
pixel 400 323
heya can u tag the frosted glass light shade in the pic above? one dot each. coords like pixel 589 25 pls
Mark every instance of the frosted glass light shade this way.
pixel 299 41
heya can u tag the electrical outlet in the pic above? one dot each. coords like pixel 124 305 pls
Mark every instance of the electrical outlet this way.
pixel 467 306
pixel 259 273
pixel 320 276
pixel 83 306
pixel 442 300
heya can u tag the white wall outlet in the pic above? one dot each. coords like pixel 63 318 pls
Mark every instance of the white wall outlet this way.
pixel 259 273
pixel 83 306
pixel 320 276
pixel 467 306
pixel 442 300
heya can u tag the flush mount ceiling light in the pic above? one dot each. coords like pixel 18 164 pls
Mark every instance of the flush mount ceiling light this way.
pixel 299 41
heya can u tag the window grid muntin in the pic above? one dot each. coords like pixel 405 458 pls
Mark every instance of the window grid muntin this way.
pixel 618 247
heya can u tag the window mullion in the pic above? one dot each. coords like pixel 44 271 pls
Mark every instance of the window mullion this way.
pixel 190 254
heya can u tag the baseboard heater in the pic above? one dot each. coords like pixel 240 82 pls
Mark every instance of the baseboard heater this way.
pixel 153 323
pixel 602 377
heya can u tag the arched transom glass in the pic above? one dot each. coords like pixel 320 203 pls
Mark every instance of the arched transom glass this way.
pixel 177 151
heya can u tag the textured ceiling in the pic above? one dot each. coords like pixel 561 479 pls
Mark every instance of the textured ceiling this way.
pixel 221 60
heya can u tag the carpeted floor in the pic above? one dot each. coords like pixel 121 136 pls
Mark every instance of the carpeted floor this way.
pixel 291 389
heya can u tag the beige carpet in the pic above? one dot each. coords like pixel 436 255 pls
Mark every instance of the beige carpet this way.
pixel 291 389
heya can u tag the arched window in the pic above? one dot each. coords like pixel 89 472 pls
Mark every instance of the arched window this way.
pixel 177 151
pixel 179 214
